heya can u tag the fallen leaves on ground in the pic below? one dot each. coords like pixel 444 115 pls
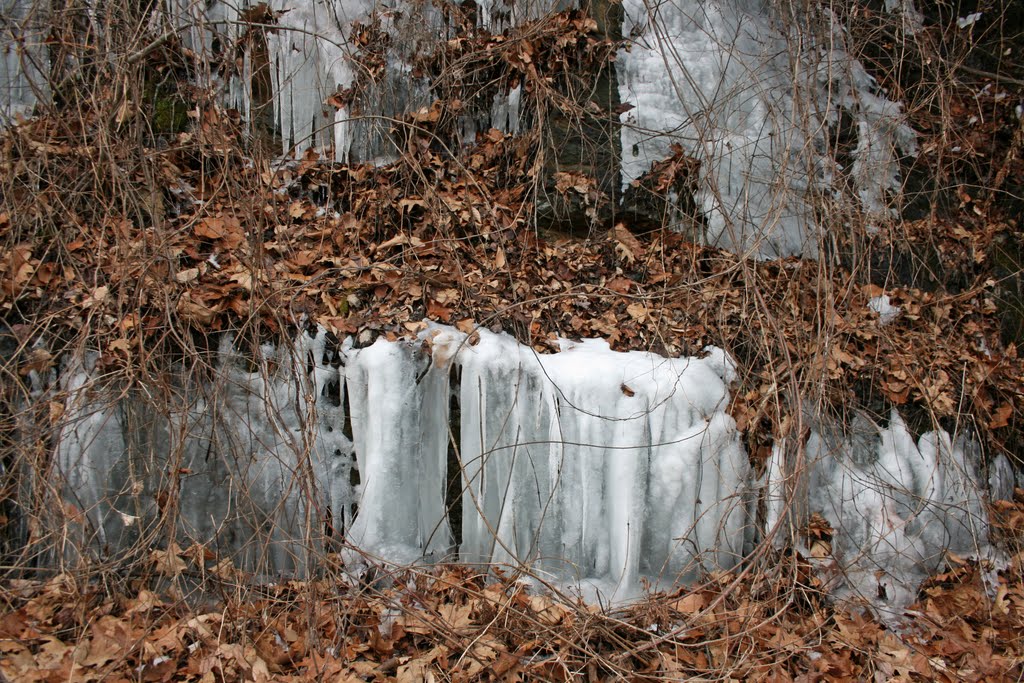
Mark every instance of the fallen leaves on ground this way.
pixel 456 624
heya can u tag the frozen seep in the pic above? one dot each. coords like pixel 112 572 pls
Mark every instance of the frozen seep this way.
pixel 753 103
pixel 589 466
pixel 242 464
pixel 896 506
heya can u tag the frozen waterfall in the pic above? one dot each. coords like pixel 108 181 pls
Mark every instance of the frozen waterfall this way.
pixel 897 505
pixel 588 467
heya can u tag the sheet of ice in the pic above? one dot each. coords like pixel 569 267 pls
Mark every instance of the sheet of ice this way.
pixel 257 458
pixel 24 62
pixel 308 52
pixel 897 506
pixel 311 57
pixel 589 466
pixel 594 465
pixel 719 77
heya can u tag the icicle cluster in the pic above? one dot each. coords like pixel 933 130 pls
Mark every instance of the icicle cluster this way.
pixel 586 465
pixel 718 78
pixel 896 506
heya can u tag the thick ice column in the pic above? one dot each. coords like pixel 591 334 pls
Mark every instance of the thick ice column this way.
pixel 401 443
pixel 505 417
pixel 598 460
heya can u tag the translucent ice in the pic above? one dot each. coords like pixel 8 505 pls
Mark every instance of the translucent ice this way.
pixel 896 505
pixel 751 102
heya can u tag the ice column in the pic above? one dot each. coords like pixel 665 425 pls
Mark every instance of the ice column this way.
pixel 399 407
pixel 591 464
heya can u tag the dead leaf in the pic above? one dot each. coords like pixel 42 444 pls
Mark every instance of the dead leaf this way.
pixel 168 562
pixel 1001 416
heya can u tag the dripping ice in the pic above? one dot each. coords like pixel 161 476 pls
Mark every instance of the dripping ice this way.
pixel 588 467
pixel 717 78
pixel 584 466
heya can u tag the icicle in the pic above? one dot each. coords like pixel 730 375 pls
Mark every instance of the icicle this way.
pixel 342 139
pixel 399 425
pixel 514 101
pixel 499 112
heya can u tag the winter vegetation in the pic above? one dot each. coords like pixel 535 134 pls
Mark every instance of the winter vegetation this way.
pixel 431 340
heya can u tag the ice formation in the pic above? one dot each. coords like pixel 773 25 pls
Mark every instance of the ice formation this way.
pixel 596 464
pixel 718 77
pixel 24 62
pixel 897 506
pixel 589 466
pixel 308 54
pixel 751 100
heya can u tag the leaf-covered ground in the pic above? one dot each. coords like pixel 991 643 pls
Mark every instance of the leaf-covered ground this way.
pixel 189 618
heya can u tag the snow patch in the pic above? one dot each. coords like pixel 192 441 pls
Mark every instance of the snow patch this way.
pixel 883 307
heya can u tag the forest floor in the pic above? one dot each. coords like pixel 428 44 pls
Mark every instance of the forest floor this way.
pixel 192 620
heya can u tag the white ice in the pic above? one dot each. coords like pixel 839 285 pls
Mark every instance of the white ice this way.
pixel 24 60
pixel 882 305
pixel 896 505
pixel 309 52
pixel 752 103
pixel 590 464
pixel 591 469
pixel 587 466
